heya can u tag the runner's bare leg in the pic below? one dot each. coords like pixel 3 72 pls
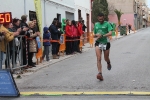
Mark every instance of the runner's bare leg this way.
pixel 106 56
pixel 98 54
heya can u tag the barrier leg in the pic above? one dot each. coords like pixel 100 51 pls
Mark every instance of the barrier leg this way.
pixel 1 58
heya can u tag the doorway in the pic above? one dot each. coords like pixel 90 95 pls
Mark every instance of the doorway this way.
pixel 79 14
pixel 32 15
pixel 59 17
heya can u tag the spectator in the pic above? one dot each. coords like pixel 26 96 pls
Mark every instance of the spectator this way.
pixel 63 25
pixel 6 36
pixel 46 43
pixel 24 27
pixel 54 36
pixel 31 44
pixel 69 36
pixel 75 32
pixel 80 32
pixel 11 46
pixel 36 28
pixel 129 27
pixel 83 28
pixel 59 35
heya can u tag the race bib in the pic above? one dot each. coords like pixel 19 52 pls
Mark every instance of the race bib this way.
pixel 102 46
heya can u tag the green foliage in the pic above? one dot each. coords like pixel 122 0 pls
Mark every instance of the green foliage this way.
pixel 99 6
pixel 119 14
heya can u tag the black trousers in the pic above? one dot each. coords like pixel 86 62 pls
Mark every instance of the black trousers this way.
pixel 75 44
pixel 30 56
pixel 129 30
pixel 69 43
pixel 55 48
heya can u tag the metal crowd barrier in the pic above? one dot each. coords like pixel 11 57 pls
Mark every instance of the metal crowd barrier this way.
pixel 1 58
pixel 10 59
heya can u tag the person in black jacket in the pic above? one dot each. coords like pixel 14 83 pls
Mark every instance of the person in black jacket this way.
pixel 24 27
pixel 83 28
pixel 55 38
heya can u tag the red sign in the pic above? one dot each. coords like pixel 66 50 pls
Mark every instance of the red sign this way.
pixel 5 17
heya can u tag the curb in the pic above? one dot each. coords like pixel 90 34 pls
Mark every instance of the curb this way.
pixel 130 93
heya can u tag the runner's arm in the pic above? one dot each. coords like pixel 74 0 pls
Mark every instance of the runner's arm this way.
pixel 108 34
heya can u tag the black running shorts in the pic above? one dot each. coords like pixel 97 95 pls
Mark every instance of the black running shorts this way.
pixel 107 45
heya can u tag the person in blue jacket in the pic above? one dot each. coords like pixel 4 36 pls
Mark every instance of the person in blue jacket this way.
pixel 46 43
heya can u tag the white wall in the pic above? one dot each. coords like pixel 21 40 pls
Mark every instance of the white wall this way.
pixel 70 3
pixel 85 7
pixel 18 9
pixel 52 10
pixel 14 6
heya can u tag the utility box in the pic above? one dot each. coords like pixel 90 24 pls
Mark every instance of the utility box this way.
pixel 123 30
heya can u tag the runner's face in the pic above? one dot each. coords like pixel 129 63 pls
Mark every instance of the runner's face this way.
pixel 100 19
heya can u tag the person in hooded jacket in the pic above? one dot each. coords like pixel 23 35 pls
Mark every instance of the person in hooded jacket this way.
pixel 46 43
pixel 63 25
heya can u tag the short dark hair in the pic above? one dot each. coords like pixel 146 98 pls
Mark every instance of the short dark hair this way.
pixel 15 20
pixel 74 22
pixel 101 14
pixel 55 22
pixel 82 21
pixel 55 19
pixel 33 19
pixel 59 24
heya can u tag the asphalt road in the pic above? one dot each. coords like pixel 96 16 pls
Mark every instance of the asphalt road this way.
pixel 81 98
pixel 130 61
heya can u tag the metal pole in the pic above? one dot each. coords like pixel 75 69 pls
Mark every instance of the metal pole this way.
pixel 13 55
pixel 44 13
pixel 1 58
pixel 21 51
pixel 25 7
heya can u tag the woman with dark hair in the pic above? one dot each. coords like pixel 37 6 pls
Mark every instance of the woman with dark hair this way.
pixel 69 36
pixel 75 33
pixel 54 36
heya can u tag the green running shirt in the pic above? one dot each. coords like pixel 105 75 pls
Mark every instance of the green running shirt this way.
pixel 102 29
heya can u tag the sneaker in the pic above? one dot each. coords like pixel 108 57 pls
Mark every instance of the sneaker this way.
pixel 100 77
pixel 108 66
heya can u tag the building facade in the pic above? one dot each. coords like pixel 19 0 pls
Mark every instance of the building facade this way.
pixel 135 12
pixel 83 9
pixel 126 6
pixel 50 9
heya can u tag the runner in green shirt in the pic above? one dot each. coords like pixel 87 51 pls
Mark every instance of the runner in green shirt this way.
pixel 102 31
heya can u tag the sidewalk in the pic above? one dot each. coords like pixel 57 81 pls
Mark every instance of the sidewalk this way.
pixel 119 36
pixel 44 64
